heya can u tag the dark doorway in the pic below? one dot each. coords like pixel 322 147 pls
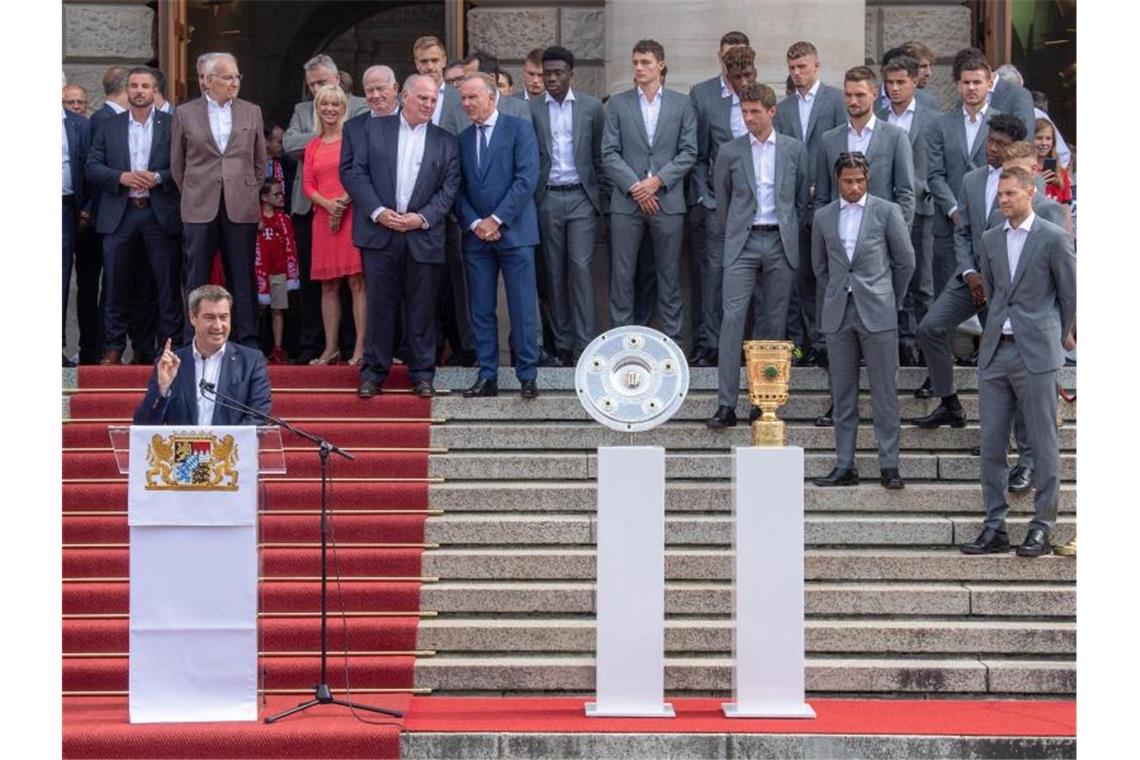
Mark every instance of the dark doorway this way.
pixel 272 40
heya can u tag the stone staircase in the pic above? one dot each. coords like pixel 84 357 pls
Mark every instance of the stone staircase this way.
pixel 893 608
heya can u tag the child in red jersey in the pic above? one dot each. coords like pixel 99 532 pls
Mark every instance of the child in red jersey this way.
pixel 275 262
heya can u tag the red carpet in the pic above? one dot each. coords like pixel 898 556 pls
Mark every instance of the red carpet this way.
pixel 379 503
pixel 703 716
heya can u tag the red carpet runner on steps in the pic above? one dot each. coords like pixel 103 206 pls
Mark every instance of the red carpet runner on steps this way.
pixel 380 503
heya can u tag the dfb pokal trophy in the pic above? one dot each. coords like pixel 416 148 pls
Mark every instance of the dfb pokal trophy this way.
pixel 631 379
pixel 768 585
pixel 769 367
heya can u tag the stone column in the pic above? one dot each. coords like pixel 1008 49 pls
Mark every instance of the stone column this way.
pixel 690 30
pixel 96 36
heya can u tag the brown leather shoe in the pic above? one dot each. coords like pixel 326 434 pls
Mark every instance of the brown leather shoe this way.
pixel 112 358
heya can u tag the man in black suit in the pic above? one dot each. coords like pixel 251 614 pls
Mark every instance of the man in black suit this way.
pixel 138 203
pixel 407 193
pixel 76 141
pixel 175 393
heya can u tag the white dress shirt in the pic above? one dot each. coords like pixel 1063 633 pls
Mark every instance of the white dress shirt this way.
pixel 903 120
pixel 67 188
pixel 992 178
pixel 850 219
pixel 221 121
pixel 139 137
pixel 973 126
pixel 650 110
pixel 1014 244
pixel 490 131
pixel 409 157
pixel 804 102
pixel 857 141
pixel 118 109
pixel 209 368
pixel 764 165
pixel 563 170
pixel 438 104
pixel 735 116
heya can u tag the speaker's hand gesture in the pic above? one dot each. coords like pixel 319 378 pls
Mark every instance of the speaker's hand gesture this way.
pixel 166 369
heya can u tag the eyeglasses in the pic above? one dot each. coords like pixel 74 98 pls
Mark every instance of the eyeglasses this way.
pixel 227 78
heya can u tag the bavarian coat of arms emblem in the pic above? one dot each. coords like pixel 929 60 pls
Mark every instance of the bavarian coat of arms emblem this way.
pixel 192 461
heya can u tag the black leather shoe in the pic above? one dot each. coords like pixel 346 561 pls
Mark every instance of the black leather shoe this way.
pixel 699 358
pixel 907 356
pixel 839 477
pixel 754 414
pixel 461 359
pixel 304 357
pixel 482 388
pixel 890 479
pixel 989 541
pixel 816 357
pixel 923 391
pixel 1036 544
pixel 567 358
pixel 368 389
pixel 1020 479
pixel 528 388
pixel 550 360
pixel 725 417
pixel 824 420
pixel 423 389
pixel 712 357
pixel 943 415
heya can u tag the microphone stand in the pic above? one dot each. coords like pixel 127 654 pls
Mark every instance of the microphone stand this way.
pixel 322 692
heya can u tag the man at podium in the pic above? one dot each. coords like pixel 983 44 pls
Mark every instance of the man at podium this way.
pixel 181 388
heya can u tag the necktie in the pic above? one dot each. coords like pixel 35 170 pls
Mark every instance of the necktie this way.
pixel 482 146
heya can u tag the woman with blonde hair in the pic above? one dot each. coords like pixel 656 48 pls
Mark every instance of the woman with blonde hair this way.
pixel 334 255
pixel 1055 176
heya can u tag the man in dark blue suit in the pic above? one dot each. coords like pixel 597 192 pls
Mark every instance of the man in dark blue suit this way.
pixel 138 203
pixel 402 173
pixel 174 395
pixel 499 159
pixel 76 141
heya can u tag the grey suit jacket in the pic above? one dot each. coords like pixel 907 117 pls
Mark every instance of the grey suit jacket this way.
pixel 1040 300
pixel 948 160
pixel 734 179
pixel 892 166
pixel 701 93
pixel 586 122
pixel 827 111
pixel 628 157
pixel 973 220
pixel 1011 98
pixel 878 272
pixel 924 118
pixel 457 117
pixel 300 133
pixel 714 129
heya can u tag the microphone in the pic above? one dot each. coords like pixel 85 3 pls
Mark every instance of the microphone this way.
pixel 206 386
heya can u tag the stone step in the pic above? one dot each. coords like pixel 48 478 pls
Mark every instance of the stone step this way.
pixel 712 530
pixel 452 635
pixel 802 406
pixel 549 436
pixel 910 675
pixel 704 378
pixel 713 496
pixel 417 745
pixel 701 465
pixel 715 598
pixel 943 565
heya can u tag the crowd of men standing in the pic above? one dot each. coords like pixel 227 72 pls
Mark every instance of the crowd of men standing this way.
pixel 863 224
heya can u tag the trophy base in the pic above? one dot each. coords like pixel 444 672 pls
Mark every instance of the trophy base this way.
pixel 768 433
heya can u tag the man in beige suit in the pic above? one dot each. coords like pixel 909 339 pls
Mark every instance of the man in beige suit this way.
pixel 218 161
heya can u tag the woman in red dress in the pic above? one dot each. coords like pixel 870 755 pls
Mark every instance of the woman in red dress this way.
pixel 334 255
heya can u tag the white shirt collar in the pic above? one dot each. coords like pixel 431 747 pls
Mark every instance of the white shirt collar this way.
pixel 149 118
pixel 993 170
pixel 405 125
pixel 642 96
pixel 910 107
pixel 116 107
pixel 725 90
pixel 868 127
pixel 981 113
pixel 569 96
pixel 490 122
pixel 1024 226
pixel 198 354
pixel 769 140
pixel 811 93
pixel 862 202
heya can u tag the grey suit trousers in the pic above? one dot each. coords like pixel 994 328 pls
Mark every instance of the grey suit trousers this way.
pixel 803 325
pixel 1006 387
pixel 695 222
pixel 945 260
pixel 626 233
pixel 935 336
pixel 920 292
pixel 712 274
pixel 880 350
pixel 763 258
pixel 569 228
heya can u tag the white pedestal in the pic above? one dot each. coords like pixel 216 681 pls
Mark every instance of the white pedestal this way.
pixel 768 591
pixel 630 662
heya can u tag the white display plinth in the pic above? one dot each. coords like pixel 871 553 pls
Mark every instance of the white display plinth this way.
pixel 630 663
pixel 768 578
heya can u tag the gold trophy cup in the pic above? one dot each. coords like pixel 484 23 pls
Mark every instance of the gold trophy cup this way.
pixel 769 364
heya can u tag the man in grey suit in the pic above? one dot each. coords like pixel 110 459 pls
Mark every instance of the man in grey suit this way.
pixel 810 111
pixel 1006 96
pixel 906 110
pixel 863 262
pixel 320 70
pixel 569 130
pixel 709 103
pixel 1029 274
pixel 721 122
pixel 761 186
pixel 955 145
pixel 648 147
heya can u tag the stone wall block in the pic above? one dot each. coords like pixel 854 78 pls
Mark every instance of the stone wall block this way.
pixel 583 32
pixel 108 31
pixel 944 29
pixel 511 33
